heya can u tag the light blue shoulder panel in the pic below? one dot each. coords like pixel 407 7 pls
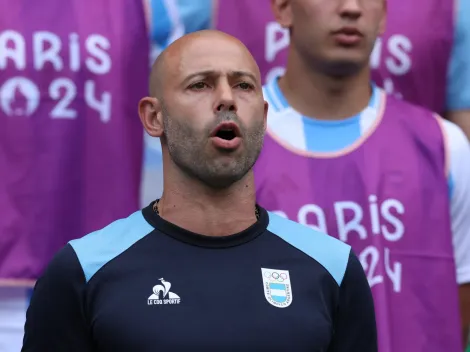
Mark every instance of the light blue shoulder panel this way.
pixel 331 253
pixel 98 248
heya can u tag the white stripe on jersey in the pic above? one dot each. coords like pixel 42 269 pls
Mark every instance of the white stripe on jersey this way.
pixel 289 127
pixel 271 97
pixel 370 114
pixel 459 155
pixel 285 123
pixel 177 29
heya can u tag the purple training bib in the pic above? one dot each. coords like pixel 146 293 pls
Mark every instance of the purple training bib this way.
pixel 71 75
pixel 386 196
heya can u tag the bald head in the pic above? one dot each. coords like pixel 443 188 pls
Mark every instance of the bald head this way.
pixel 176 58
pixel 200 81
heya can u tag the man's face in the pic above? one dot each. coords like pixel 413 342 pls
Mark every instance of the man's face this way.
pixel 214 82
pixel 334 33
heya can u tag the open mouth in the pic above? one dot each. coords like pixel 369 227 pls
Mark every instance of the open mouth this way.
pixel 226 134
pixel 227 131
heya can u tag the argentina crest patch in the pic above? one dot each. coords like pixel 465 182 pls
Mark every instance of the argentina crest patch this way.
pixel 277 287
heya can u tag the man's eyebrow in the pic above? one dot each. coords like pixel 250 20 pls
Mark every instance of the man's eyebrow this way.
pixel 240 74
pixel 209 73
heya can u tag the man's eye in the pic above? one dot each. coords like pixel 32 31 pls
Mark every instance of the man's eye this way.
pixel 198 85
pixel 245 86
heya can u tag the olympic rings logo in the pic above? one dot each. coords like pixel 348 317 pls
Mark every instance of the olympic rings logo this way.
pixel 275 276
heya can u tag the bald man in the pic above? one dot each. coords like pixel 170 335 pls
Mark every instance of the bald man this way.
pixel 203 268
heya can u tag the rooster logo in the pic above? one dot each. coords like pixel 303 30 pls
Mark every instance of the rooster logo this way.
pixel 19 97
pixel 162 291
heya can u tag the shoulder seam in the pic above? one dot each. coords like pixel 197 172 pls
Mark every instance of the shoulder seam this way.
pixel 98 248
pixel 79 264
pixel 334 263
pixel 103 267
pixel 324 268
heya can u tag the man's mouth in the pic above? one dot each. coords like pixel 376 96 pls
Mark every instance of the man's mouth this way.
pixel 226 136
pixel 226 131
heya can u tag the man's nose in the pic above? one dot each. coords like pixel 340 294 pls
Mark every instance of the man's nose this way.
pixel 225 98
pixel 350 9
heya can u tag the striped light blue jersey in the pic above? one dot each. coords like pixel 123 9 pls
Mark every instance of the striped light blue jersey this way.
pixel 311 134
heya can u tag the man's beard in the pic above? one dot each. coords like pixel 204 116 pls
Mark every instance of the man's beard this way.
pixel 188 150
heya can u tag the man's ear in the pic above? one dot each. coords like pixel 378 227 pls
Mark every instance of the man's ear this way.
pixel 383 20
pixel 282 12
pixel 150 112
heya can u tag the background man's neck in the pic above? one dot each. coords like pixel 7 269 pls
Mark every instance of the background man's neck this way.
pixel 318 95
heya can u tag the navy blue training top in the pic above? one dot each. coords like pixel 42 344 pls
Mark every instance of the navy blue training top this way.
pixel 144 284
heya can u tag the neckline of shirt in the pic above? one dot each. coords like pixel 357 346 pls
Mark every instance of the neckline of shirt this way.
pixel 200 240
pixel 278 102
